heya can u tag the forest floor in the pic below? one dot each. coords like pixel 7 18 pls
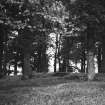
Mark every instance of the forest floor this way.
pixel 51 90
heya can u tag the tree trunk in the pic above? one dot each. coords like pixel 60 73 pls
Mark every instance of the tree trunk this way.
pixel 3 38
pixel 56 52
pixel 59 62
pixel 15 67
pixel 39 60
pixel 1 56
pixel 44 62
pixel 90 65
pixel 5 58
pixel 99 60
pixel 27 70
pixel 51 52
pixel 102 70
pixel 83 65
pixel 3 49
pixel 42 58
pixel 55 62
pixel 83 61
pixel 64 66
pixel 59 51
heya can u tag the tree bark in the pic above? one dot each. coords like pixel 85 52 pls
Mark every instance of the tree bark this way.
pixel 39 60
pixel 44 62
pixel 51 52
pixel 15 67
pixel 27 70
pixel 55 62
pixel 64 66
pixel 83 61
pixel 4 59
pixel 102 70
pixel 99 61
pixel 3 38
pixel 4 51
pixel 1 56
pixel 1 49
pixel 42 58
pixel 90 65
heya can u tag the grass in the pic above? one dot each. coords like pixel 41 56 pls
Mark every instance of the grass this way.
pixel 51 90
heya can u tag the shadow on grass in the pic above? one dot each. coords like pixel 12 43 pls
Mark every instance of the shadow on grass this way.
pixel 45 79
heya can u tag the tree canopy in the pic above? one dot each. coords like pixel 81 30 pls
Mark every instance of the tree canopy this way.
pixel 82 21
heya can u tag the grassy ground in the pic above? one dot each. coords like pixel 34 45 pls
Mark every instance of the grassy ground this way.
pixel 51 90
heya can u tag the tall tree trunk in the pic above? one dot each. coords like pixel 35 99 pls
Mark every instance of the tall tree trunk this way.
pixel 4 60
pixel 59 51
pixel 2 50
pixel 90 65
pixel 99 61
pixel 83 65
pixel 1 55
pixel 83 61
pixel 42 58
pixel 59 62
pixel 39 60
pixel 56 52
pixel 27 70
pixel 44 64
pixel 51 52
pixel 15 67
pixel 102 70
pixel 55 61
pixel 5 53
pixel 64 66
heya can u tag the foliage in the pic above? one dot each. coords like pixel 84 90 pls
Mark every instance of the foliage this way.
pixel 82 21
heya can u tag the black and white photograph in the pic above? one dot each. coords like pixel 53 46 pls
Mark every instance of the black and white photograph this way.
pixel 52 52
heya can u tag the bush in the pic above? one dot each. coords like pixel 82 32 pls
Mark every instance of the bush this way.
pixel 77 76
pixel 99 77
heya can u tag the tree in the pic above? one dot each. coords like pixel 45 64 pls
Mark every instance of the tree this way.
pixel 35 19
pixel 1 52
pixel 91 15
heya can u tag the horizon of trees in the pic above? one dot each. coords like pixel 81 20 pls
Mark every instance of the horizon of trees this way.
pixel 26 25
